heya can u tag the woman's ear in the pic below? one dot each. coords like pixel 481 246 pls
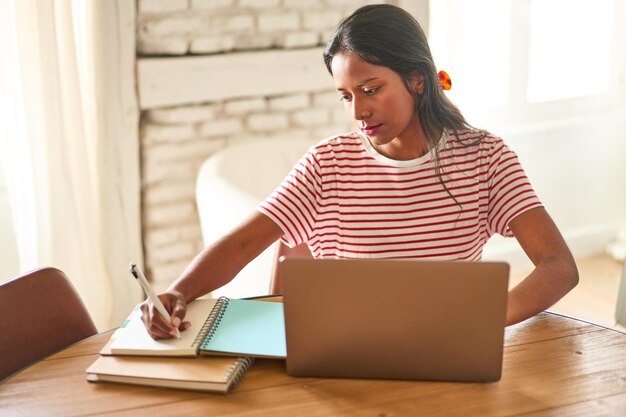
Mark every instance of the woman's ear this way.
pixel 417 84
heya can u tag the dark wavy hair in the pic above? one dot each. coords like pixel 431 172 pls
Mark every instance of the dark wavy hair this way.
pixel 386 35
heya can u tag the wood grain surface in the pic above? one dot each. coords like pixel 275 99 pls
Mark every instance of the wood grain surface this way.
pixel 553 365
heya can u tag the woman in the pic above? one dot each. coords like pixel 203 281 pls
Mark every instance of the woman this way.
pixel 414 181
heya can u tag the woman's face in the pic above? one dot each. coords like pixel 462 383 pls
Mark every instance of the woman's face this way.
pixel 378 101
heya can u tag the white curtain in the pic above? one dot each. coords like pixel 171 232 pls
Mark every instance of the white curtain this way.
pixel 69 155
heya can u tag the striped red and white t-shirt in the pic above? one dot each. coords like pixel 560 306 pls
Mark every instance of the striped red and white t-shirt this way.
pixel 345 200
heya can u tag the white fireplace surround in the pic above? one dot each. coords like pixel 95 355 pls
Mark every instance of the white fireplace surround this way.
pixel 186 80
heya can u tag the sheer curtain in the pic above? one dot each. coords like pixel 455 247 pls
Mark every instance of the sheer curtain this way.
pixel 72 180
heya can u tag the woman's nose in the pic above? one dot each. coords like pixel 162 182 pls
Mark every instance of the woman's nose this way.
pixel 359 112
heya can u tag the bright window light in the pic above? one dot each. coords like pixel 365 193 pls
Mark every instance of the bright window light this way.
pixel 569 49
pixel 483 59
pixel 471 41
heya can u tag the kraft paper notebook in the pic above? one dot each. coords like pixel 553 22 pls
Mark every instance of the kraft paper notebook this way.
pixel 218 327
pixel 212 374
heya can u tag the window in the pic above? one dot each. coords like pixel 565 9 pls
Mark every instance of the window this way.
pixel 572 59
pixel 515 62
pixel 456 28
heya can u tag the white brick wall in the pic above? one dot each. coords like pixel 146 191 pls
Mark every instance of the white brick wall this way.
pixel 153 133
pixel 291 102
pixel 298 39
pixel 170 214
pixel 302 4
pixel 172 45
pixel 162 6
pixel 170 235
pixel 322 19
pixel 278 21
pixel 211 4
pixel 231 23
pixel 253 41
pixel 183 115
pixel 311 118
pixel 164 173
pixel 327 99
pixel 259 4
pixel 171 253
pixel 267 122
pixel 170 192
pixel 172 152
pixel 176 140
pixel 178 27
pixel 212 44
pixel 245 106
pixel 221 127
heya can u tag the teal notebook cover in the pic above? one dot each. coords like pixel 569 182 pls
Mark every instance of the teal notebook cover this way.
pixel 248 327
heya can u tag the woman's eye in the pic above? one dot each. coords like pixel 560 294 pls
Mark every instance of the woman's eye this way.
pixel 370 92
pixel 345 98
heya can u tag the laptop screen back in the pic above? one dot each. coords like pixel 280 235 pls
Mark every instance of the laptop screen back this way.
pixel 395 319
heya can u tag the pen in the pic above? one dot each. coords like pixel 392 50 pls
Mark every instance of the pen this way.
pixel 141 279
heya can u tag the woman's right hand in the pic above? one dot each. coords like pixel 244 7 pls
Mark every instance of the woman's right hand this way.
pixel 158 327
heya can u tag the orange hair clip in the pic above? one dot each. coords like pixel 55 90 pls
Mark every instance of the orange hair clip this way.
pixel 444 80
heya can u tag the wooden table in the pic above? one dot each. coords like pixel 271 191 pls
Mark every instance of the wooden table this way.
pixel 553 365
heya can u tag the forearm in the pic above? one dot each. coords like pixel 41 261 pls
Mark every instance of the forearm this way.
pixel 547 284
pixel 214 267
pixel 219 263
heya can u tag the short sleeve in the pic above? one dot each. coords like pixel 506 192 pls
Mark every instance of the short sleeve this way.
pixel 510 191
pixel 293 206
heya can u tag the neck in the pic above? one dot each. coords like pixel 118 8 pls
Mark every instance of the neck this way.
pixel 411 144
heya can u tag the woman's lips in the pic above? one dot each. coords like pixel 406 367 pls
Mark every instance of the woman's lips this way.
pixel 370 130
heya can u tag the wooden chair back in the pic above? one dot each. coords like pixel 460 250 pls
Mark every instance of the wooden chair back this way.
pixel 40 314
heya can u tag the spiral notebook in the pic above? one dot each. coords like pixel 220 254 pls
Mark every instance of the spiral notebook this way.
pixel 218 327
pixel 212 374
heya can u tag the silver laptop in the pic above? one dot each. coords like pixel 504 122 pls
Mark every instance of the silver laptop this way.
pixel 395 319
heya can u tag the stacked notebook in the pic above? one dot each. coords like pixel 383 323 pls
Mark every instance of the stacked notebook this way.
pixel 212 355
pixel 201 374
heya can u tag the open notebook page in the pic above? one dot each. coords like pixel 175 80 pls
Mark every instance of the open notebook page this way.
pixel 133 338
pixel 251 328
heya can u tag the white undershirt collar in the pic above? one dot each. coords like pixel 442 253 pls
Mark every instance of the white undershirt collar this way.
pixel 394 162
